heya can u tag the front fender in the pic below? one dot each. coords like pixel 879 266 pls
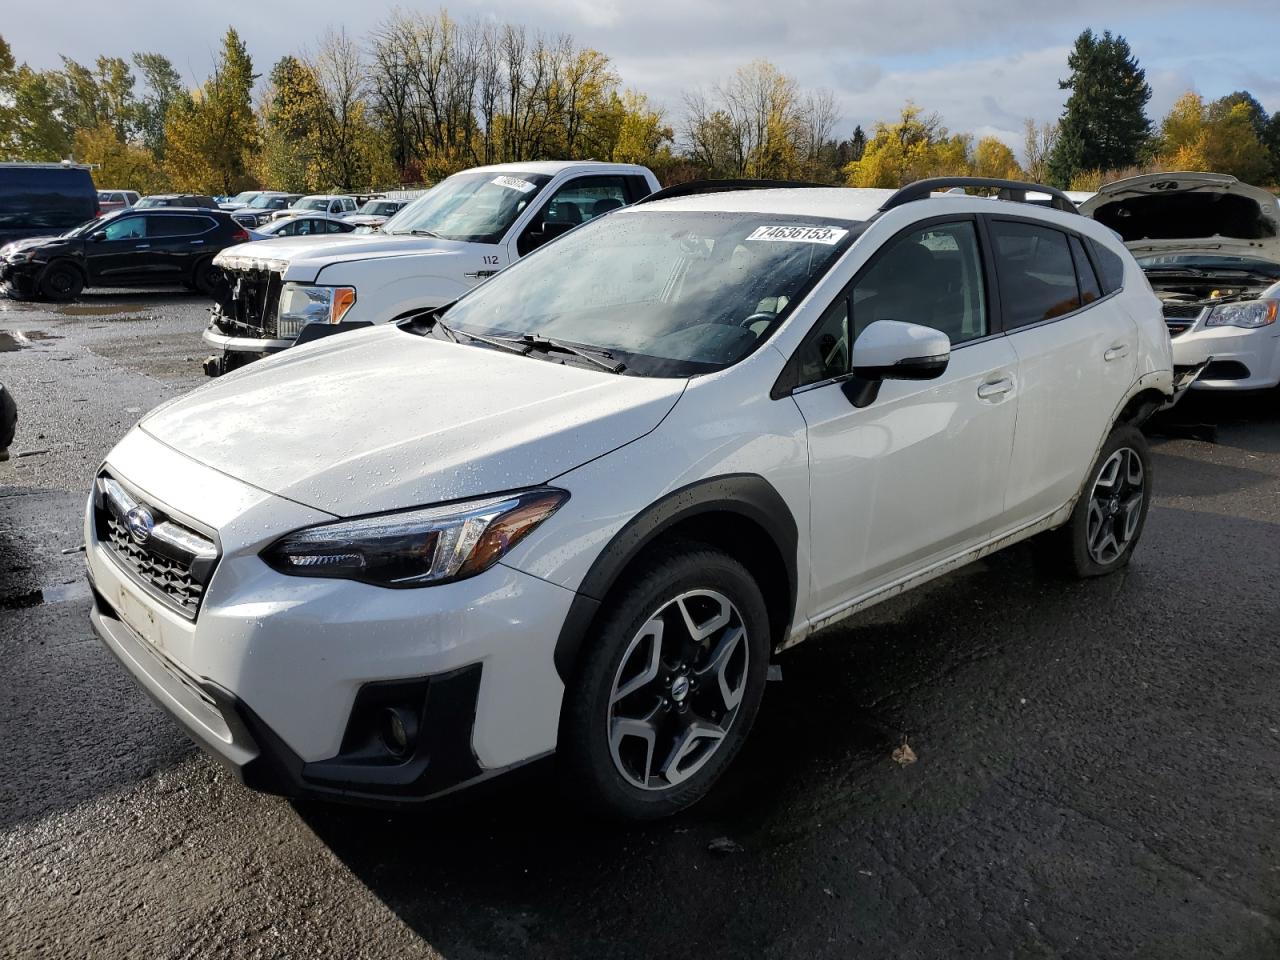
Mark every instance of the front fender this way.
pixel 385 293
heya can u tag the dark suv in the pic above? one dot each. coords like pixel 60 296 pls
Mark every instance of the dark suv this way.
pixel 167 245
pixel 41 198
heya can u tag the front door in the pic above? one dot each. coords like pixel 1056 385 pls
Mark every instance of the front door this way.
pixel 123 255
pixel 917 476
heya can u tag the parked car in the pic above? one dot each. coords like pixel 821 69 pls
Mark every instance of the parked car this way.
pixel 464 230
pixel 261 208
pixel 110 201
pixel 310 225
pixel 579 509
pixel 8 421
pixel 374 213
pixel 165 245
pixel 1210 248
pixel 319 203
pixel 176 200
pixel 242 199
pixel 41 198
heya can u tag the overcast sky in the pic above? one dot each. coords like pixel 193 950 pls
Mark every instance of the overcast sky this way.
pixel 984 67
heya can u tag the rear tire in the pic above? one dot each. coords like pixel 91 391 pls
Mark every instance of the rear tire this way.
pixel 61 282
pixel 204 278
pixel 1108 519
pixel 669 686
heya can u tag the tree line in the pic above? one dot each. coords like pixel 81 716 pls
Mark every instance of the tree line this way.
pixel 424 95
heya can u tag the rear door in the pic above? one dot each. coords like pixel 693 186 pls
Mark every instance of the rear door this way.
pixel 1076 353
pixel 917 476
pixel 177 241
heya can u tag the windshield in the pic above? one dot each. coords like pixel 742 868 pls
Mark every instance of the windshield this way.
pixel 245 197
pixel 264 201
pixel 85 228
pixel 668 294
pixel 146 202
pixel 380 208
pixel 312 203
pixel 475 207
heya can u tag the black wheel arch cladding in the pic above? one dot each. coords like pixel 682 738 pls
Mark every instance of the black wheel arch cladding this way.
pixel 748 496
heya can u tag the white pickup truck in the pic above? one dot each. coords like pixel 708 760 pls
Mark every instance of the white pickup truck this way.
pixel 462 231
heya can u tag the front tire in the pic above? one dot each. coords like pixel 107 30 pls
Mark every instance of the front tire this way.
pixel 670 684
pixel 61 282
pixel 1108 519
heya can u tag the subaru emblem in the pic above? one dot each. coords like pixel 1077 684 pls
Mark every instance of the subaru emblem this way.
pixel 140 523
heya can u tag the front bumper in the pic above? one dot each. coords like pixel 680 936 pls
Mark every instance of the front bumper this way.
pixel 231 344
pixel 21 276
pixel 270 675
pixel 1241 359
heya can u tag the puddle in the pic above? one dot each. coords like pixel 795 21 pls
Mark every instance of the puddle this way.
pixel 54 593
pixel 13 340
pixel 101 310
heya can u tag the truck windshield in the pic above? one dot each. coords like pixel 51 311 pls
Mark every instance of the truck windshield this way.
pixel 475 207
pixel 672 293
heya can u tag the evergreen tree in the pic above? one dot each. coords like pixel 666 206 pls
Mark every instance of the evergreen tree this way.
pixel 1104 125
pixel 858 146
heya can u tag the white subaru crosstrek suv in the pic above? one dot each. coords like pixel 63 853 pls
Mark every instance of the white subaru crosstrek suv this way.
pixel 579 509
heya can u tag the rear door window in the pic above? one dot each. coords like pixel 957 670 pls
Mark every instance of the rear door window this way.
pixel 1037 274
pixel 177 226
pixel 1090 289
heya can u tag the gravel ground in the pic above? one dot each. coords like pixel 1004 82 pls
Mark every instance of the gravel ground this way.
pixel 1097 769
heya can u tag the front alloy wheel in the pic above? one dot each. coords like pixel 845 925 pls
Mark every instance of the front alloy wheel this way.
pixel 678 689
pixel 668 683
pixel 1115 506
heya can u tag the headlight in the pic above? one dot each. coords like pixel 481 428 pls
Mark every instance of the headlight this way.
pixel 304 303
pixel 416 548
pixel 1249 313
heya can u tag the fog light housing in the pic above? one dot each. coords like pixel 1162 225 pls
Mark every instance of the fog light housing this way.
pixel 398 730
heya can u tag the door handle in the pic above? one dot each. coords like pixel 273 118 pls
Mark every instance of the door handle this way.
pixel 1118 352
pixel 995 388
pixel 194 242
pixel 143 246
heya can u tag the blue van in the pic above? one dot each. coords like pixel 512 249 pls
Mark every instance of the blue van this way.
pixel 40 199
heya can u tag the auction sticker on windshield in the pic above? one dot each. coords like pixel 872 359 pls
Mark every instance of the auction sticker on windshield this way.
pixel 514 183
pixel 800 234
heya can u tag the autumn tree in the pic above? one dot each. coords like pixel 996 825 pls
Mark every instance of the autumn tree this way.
pixel 993 158
pixel 212 137
pixel 1104 125
pixel 1038 143
pixel 913 148
pixel 1221 137
pixel 164 88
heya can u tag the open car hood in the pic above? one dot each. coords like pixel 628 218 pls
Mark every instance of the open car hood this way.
pixel 382 419
pixel 1208 213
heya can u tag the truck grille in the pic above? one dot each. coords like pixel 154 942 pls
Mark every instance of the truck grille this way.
pixel 172 562
pixel 249 303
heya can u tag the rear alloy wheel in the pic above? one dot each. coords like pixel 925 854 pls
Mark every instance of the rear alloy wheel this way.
pixel 1109 517
pixel 670 685
pixel 61 282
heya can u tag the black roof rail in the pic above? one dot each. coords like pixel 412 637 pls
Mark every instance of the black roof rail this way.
pixel 695 187
pixel 1008 190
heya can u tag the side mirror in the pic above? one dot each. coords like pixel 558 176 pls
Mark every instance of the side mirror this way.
pixel 98 236
pixel 892 350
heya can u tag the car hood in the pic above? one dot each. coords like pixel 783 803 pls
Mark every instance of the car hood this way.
pixel 26 243
pixel 301 259
pixel 1200 232
pixel 383 419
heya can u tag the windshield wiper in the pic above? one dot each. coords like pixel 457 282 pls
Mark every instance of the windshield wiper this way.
pixel 422 233
pixel 601 358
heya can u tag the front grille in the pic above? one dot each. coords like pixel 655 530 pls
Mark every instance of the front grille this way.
pixel 169 559
pixel 249 305
pixel 1178 327
pixel 1182 311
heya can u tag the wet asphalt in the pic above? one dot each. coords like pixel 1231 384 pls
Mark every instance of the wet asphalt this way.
pixel 1097 772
